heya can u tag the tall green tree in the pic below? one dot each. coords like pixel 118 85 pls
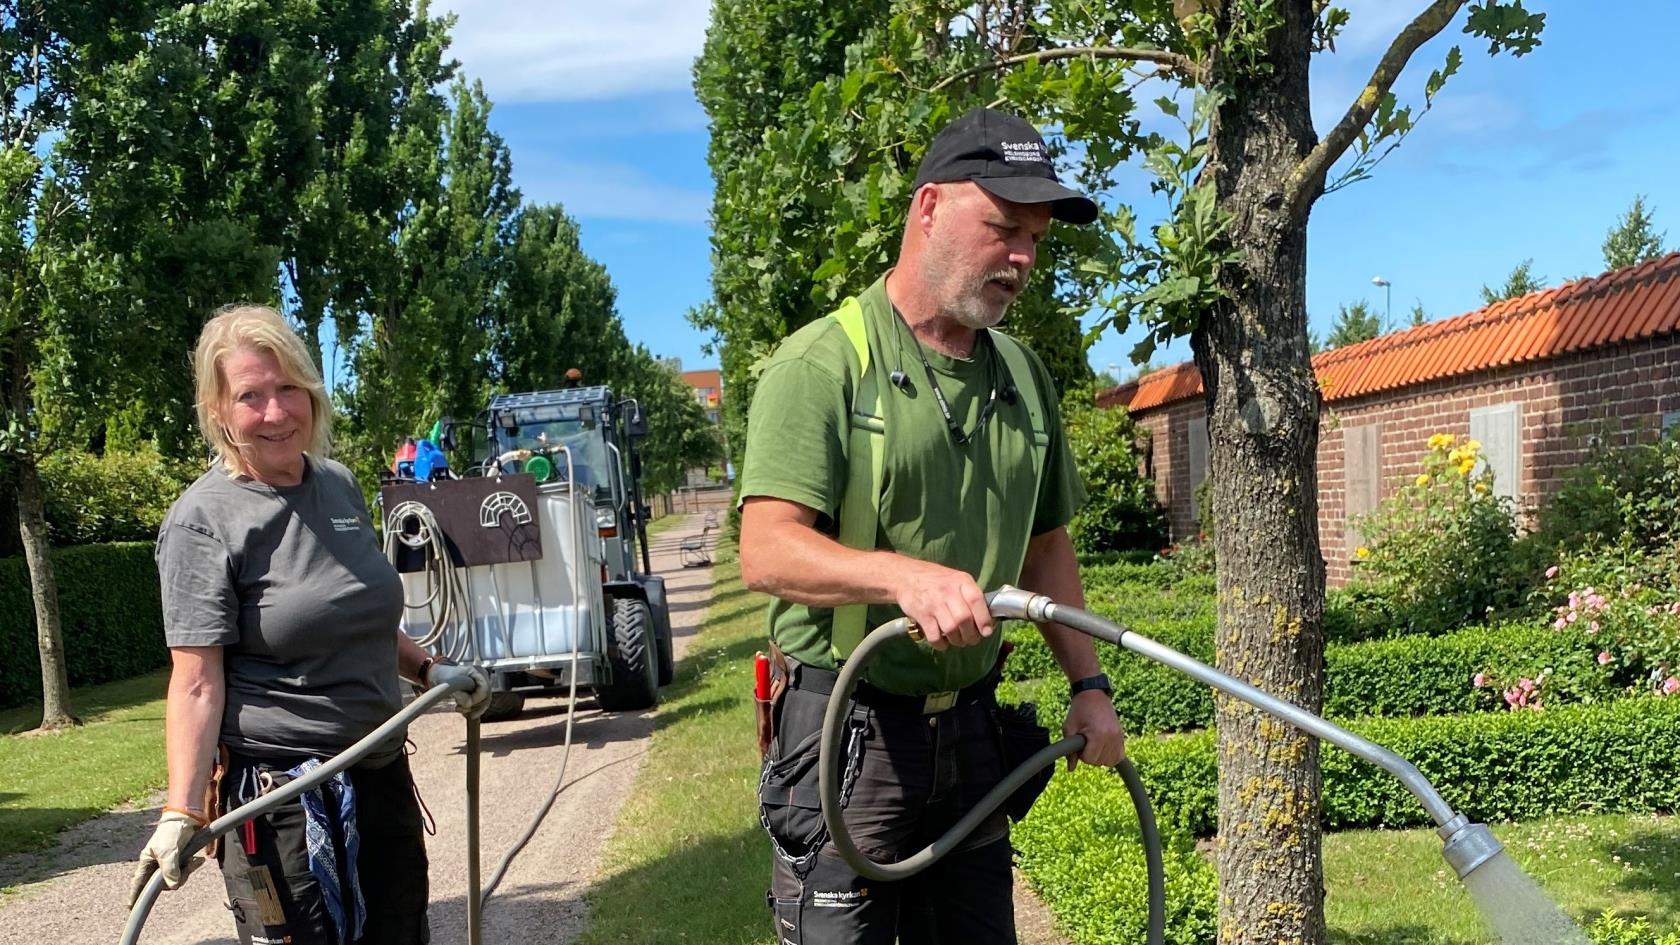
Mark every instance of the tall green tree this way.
pixel 1354 323
pixel 424 350
pixel 1522 281
pixel 1226 267
pixel 1633 239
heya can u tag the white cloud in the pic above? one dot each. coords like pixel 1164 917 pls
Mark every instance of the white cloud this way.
pixel 610 192
pixel 566 50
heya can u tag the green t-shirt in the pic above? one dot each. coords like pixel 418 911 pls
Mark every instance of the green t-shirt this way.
pixel 971 507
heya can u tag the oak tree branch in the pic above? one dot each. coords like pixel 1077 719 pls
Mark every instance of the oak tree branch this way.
pixel 1306 181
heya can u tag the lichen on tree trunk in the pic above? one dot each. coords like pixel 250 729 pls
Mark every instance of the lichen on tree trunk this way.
pixel 1262 406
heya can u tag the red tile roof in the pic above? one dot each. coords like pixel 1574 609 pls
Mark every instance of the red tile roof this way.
pixel 1619 306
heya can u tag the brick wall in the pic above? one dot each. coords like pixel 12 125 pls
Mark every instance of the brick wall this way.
pixel 1569 407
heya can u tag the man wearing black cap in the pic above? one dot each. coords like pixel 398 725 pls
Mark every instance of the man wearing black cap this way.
pixel 903 457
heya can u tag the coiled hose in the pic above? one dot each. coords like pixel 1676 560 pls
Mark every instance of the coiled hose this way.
pixel 830 751
pixel 446 595
pixel 142 907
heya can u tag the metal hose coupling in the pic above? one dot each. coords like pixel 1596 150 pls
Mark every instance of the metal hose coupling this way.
pixel 1016 604
pixel 1468 845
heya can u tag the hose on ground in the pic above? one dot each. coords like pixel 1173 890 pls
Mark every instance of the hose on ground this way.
pixel 830 751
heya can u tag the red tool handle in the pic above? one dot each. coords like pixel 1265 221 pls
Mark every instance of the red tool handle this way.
pixel 761 677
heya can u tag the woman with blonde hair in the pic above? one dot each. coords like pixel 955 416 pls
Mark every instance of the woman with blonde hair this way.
pixel 281 615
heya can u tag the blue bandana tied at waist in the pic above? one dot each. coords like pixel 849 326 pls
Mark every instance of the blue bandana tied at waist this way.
pixel 330 806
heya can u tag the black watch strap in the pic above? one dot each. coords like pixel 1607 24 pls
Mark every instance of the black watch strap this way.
pixel 1099 681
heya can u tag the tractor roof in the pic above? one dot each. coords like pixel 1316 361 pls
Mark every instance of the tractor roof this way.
pixel 547 398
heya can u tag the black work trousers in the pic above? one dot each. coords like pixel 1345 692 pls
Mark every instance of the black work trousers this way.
pixel 912 776
pixel 276 899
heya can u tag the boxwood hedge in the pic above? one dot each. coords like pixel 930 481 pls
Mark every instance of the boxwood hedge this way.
pixel 1617 756
pixel 110 609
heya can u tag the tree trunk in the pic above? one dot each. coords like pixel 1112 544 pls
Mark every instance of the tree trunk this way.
pixel 1262 406
pixel 49 633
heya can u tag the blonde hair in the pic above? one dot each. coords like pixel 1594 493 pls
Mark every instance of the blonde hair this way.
pixel 258 328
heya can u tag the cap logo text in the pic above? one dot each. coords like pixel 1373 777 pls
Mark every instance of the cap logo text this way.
pixel 1031 152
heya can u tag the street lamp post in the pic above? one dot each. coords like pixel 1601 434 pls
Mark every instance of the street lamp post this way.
pixel 1388 300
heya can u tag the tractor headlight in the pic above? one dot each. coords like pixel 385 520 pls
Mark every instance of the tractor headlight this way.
pixel 606 521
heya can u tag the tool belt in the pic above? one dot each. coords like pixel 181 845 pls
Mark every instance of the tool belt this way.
pixel 821 682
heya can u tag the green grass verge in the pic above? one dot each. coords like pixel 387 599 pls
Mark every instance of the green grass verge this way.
pixel 666 523
pixel 687 862
pixel 57 780
pixel 1391 887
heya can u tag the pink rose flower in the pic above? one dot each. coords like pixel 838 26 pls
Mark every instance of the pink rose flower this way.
pixel 1604 657
pixel 1670 686
pixel 1551 572
pixel 1479 680
pixel 1572 616
pixel 1561 623
pixel 1526 685
pixel 1592 627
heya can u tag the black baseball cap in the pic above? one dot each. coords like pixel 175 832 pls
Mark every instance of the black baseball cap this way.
pixel 1006 155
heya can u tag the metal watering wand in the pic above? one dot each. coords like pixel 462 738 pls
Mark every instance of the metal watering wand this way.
pixel 287 793
pixel 1467 845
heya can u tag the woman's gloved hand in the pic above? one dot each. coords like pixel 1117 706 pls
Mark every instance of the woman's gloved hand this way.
pixel 162 853
pixel 471 700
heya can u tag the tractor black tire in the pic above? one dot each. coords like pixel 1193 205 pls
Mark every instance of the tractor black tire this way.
pixel 634 657
pixel 503 706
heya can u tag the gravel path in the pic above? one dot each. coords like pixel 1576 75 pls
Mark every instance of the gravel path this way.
pixel 77 891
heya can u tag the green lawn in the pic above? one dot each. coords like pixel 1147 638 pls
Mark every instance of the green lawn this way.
pixel 687 862
pixel 1391 887
pixel 54 781
pixel 666 523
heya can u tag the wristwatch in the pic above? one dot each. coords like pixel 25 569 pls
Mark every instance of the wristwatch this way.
pixel 1099 681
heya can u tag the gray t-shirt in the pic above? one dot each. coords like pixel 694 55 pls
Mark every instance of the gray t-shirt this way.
pixel 292 583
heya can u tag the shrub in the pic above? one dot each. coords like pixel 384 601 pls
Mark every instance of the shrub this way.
pixel 1619 756
pixel 1082 850
pixel 1622 603
pixel 1122 511
pixel 1439 547
pixel 120 496
pixel 110 608
pixel 1609 929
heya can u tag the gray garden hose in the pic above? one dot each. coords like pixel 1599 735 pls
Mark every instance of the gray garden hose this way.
pixel 227 822
pixel 828 784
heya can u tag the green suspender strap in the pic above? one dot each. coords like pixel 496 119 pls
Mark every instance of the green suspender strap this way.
pixel 860 507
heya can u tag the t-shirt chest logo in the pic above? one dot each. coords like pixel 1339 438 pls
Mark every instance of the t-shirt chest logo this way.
pixel 347 524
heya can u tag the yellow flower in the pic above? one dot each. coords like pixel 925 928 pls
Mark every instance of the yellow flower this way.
pixel 1423 480
pixel 1362 553
pixel 1474 446
pixel 1440 441
pixel 1482 488
pixel 1465 467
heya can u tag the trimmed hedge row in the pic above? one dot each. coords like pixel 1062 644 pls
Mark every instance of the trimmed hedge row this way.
pixel 110 608
pixel 1617 756
pixel 1405 676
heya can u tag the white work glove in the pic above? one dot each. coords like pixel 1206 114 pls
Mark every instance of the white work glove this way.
pixel 162 853
pixel 475 698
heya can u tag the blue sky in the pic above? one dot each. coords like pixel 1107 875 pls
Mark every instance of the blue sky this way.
pixel 1520 158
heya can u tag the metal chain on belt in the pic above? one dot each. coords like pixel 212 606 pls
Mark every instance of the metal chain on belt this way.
pixel 801 865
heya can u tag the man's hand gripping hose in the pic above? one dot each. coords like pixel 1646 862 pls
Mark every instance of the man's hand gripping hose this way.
pixel 150 878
